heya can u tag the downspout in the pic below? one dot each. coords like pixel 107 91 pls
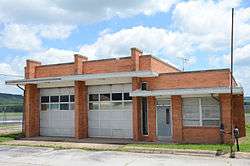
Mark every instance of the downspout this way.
pixel 23 127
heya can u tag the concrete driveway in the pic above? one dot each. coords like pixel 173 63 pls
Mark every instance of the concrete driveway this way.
pixel 28 156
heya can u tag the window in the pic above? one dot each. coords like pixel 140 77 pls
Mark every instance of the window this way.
pixel 64 102
pixel 126 96
pixel 105 97
pixel 72 98
pixel 203 111
pixel 64 98
pixel 110 101
pixel 116 96
pixel 54 99
pixel 64 106
pixel 44 99
pixel 144 116
pixel 93 97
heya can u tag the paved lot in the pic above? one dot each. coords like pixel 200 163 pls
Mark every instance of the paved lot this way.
pixel 29 156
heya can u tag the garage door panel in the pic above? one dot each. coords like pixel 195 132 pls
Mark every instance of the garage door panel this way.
pixel 111 124
pixel 93 124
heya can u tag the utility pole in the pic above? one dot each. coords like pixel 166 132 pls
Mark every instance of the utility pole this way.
pixel 231 87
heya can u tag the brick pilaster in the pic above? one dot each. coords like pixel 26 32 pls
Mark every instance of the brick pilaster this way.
pixel 31 108
pixel 136 111
pixel 81 112
pixel 225 101
pixel 177 118
pixel 151 118
pixel 135 57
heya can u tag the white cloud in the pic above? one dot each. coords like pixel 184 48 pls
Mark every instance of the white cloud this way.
pixel 79 12
pixel 157 41
pixel 209 23
pixel 53 55
pixel 16 36
pixel 56 31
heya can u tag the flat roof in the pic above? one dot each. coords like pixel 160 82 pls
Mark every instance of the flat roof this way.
pixel 83 77
pixel 186 91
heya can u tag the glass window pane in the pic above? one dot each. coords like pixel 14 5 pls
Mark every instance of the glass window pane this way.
pixel 105 97
pixel 187 122
pixel 116 105
pixel 64 106
pixel 210 112
pixel 93 106
pixel 72 98
pixel 44 99
pixel 72 106
pixel 93 97
pixel 105 106
pixel 211 122
pixel 128 105
pixel 116 96
pixel 54 106
pixel 54 99
pixel 44 107
pixel 127 97
pixel 64 98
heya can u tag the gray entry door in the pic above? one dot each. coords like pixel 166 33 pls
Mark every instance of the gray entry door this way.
pixel 163 122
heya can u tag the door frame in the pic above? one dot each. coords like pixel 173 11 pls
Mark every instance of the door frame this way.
pixel 162 138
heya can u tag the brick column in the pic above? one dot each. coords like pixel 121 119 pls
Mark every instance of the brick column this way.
pixel 225 101
pixel 31 108
pixel 239 114
pixel 81 112
pixel 135 57
pixel 177 118
pixel 136 111
pixel 151 118
pixel 79 63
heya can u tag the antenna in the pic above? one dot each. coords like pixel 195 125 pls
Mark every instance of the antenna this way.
pixel 184 61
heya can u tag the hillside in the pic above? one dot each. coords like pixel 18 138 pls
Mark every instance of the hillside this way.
pixel 10 99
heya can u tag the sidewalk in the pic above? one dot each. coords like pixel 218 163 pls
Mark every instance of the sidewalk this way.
pixel 100 144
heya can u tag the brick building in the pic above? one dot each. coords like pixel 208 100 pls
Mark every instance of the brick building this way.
pixel 138 97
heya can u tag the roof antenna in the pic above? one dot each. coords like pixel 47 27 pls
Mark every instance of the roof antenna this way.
pixel 184 61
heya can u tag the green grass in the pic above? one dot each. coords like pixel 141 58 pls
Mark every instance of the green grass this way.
pixel 213 147
pixel 10 137
pixel 245 142
pixel 244 145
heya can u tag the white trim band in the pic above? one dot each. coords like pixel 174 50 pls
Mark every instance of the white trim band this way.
pixel 83 77
pixel 186 91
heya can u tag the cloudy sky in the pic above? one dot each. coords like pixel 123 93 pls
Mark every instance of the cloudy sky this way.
pixel 51 31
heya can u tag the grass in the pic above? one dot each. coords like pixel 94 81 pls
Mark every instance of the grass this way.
pixel 245 142
pixel 10 137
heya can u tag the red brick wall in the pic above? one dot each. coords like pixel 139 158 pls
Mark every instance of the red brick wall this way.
pixel 78 65
pixel 201 135
pixel 151 118
pixel 55 70
pixel 161 67
pixel 81 112
pixel 108 66
pixel 32 113
pixel 202 79
pixel 136 112
pixel 239 114
pixel 176 102
pixel 30 69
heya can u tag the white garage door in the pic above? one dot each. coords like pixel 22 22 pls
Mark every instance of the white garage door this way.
pixel 110 112
pixel 57 112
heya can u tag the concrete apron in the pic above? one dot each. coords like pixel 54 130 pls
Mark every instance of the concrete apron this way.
pixel 108 144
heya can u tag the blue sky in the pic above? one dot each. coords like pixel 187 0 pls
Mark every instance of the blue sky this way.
pixel 52 31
